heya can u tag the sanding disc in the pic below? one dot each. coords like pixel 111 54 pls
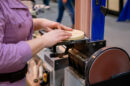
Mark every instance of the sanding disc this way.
pixel 76 35
pixel 107 62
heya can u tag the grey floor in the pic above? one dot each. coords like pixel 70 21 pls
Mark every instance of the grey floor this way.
pixel 117 34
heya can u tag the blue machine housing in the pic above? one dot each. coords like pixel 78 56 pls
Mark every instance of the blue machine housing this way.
pixel 98 20
pixel 125 13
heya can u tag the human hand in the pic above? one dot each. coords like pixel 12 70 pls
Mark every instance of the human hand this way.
pixel 64 1
pixel 53 37
pixel 49 25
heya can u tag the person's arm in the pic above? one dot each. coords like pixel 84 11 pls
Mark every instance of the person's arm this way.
pixel 48 25
pixel 19 53
pixel 47 40
pixel 51 38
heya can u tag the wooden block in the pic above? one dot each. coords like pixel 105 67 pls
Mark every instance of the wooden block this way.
pixel 32 74
pixel 76 35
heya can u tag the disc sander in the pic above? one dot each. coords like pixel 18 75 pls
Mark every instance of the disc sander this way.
pixel 106 63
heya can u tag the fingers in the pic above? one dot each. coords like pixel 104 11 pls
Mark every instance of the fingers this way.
pixel 62 35
pixel 66 34
pixel 50 25
pixel 65 28
pixel 49 29
pixel 63 38
pixel 60 26
pixel 53 37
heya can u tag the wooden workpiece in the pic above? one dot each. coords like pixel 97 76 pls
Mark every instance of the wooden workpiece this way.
pixel 76 35
pixel 35 72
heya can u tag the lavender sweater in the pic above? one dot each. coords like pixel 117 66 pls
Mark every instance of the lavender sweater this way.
pixel 15 28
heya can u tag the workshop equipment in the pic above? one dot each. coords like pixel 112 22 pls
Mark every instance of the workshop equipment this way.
pixel 54 66
pixel 87 61
pixel 125 13
pixel 106 63
pixel 103 65
pixel 56 58
pixel 92 62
